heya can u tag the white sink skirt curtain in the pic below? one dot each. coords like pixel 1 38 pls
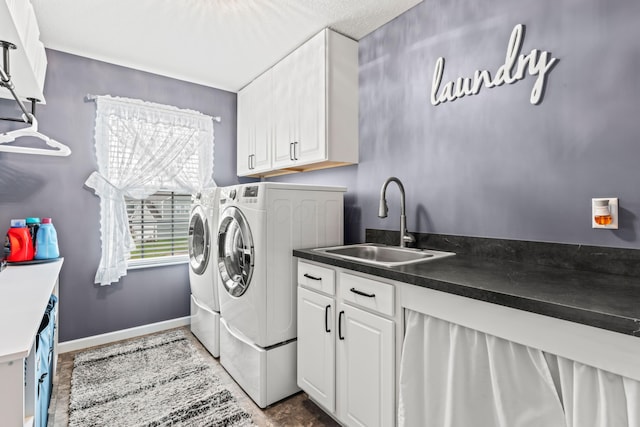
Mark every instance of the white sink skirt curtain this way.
pixel 596 398
pixel 142 148
pixel 452 376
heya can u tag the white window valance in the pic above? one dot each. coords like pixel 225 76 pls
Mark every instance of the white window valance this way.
pixel 142 148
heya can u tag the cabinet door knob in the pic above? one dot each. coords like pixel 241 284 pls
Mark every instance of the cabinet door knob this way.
pixel 291 151
pixel 326 319
pixel 308 276
pixel 340 325
pixel 364 294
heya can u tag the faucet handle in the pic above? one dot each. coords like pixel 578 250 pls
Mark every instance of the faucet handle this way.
pixel 408 237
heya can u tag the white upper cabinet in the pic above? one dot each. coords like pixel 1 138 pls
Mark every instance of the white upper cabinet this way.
pixel 27 57
pixel 306 112
pixel 254 133
pixel 300 105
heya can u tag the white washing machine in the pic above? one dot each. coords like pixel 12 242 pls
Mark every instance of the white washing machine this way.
pixel 260 225
pixel 203 272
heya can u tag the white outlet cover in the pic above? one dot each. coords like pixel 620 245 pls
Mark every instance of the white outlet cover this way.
pixel 613 208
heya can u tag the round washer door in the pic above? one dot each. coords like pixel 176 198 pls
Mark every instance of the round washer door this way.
pixel 199 240
pixel 235 252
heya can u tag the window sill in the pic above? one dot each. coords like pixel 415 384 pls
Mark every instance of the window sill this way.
pixel 157 262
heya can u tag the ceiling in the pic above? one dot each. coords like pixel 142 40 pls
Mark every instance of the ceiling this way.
pixel 219 43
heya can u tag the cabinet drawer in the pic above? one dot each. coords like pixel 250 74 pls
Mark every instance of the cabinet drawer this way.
pixel 367 293
pixel 315 277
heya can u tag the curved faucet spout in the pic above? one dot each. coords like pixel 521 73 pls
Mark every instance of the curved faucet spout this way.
pixel 405 237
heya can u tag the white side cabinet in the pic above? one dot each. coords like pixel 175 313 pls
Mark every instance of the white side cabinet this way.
pixel 346 344
pixel 302 114
pixel 24 295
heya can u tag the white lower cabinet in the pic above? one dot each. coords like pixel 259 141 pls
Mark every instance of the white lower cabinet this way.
pixel 316 347
pixel 366 368
pixel 346 347
pixel 354 329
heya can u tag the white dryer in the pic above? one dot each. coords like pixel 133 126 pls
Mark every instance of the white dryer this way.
pixel 203 272
pixel 260 225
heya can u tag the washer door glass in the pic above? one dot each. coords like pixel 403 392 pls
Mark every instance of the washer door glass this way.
pixel 199 240
pixel 235 252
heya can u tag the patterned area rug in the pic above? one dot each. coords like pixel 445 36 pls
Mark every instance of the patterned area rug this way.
pixel 158 380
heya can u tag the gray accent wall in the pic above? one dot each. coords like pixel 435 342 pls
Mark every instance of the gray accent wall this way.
pixel 54 186
pixel 494 165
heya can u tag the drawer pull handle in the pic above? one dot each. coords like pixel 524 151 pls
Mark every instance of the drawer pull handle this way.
pixel 308 276
pixel 340 325
pixel 326 319
pixel 364 294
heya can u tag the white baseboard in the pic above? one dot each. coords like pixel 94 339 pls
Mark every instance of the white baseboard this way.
pixel 82 343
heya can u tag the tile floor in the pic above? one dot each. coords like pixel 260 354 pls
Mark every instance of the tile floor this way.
pixel 296 410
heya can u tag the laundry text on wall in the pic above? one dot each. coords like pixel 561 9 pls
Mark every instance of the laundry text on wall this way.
pixel 537 63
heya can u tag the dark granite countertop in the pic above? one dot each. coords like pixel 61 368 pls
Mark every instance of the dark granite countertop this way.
pixel 603 300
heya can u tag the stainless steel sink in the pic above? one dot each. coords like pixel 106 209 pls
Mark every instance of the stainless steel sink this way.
pixel 382 255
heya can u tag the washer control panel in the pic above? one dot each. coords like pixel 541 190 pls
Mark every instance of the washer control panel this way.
pixel 241 193
pixel 250 191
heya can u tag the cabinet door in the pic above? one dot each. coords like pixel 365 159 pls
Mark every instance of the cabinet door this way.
pixel 366 368
pixel 263 101
pixel 285 103
pixel 300 105
pixel 310 116
pixel 316 347
pixel 246 131
pixel 254 128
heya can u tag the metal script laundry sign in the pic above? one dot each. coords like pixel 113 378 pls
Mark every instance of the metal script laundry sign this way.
pixel 516 65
